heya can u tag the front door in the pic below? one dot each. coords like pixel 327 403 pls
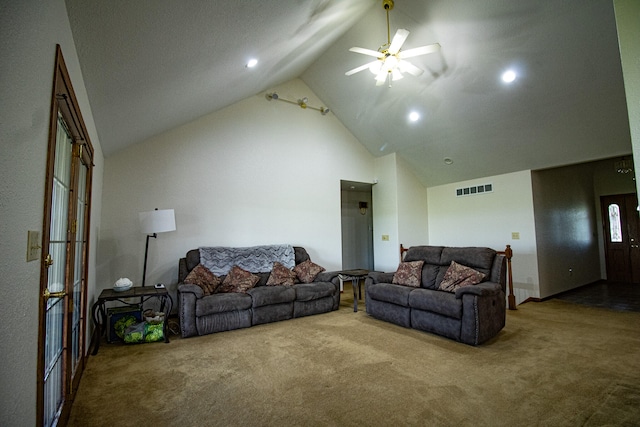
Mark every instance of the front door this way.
pixel 621 223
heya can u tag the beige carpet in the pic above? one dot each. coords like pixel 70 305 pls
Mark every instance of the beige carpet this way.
pixel 554 364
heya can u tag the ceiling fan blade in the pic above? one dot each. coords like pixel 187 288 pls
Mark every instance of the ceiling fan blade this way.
pixel 364 51
pixel 360 68
pixel 398 40
pixel 406 66
pixel 422 50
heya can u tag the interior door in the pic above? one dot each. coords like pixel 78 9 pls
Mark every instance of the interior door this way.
pixel 56 299
pixel 621 223
pixel 63 277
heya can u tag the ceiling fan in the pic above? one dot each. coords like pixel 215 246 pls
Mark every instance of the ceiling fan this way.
pixel 390 61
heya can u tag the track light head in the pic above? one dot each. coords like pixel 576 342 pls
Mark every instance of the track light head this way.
pixel 271 96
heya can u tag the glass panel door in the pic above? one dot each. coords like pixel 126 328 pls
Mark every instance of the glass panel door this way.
pixel 65 236
pixel 56 261
pixel 79 273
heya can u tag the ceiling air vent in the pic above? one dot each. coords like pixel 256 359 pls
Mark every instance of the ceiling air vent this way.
pixel 476 189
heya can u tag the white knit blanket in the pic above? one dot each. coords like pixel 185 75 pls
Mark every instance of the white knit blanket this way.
pixel 256 259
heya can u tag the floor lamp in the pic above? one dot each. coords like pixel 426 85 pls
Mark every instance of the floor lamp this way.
pixel 152 223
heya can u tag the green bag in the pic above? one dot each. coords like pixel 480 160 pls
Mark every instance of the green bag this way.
pixel 122 324
pixel 153 332
pixel 144 332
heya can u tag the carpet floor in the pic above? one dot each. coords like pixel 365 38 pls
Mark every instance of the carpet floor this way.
pixel 554 364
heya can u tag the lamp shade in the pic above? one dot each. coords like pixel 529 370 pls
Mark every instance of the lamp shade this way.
pixel 158 221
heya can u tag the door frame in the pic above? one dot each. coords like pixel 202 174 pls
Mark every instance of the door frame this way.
pixel 358 187
pixel 65 103
pixel 629 246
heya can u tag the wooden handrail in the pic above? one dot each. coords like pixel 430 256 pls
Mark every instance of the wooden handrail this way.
pixel 508 254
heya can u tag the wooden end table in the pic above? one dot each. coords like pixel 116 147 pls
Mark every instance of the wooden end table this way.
pixel 353 276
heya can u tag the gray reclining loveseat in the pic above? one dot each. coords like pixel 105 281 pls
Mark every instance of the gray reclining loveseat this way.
pixel 471 314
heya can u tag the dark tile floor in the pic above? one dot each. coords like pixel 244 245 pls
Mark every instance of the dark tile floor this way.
pixel 615 296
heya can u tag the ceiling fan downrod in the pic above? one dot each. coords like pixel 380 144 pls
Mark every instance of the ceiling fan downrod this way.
pixel 388 5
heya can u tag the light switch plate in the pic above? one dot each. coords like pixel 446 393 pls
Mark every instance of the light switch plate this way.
pixel 515 235
pixel 33 245
pixel 385 237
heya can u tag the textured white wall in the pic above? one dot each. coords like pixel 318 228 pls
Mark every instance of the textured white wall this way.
pixel 29 32
pixel 566 228
pixel 412 208
pixel 385 215
pixel 489 220
pixel 257 172
pixel 628 25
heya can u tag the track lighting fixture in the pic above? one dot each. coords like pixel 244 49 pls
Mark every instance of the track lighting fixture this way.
pixel 302 103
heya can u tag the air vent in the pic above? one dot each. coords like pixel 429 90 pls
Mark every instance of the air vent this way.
pixel 474 190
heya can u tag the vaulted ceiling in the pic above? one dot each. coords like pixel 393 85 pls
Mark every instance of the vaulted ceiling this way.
pixel 149 66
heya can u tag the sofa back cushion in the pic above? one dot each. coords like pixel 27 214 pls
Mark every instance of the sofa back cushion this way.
pixel 438 259
pixel 192 259
pixel 301 254
pixel 431 256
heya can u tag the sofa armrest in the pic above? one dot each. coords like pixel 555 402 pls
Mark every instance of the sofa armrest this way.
pixel 326 276
pixel 481 289
pixel 194 289
pixel 380 277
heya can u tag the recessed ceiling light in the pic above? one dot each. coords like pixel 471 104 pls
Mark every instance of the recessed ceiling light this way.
pixel 448 161
pixel 252 63
pixel 414 116
pixel 509 76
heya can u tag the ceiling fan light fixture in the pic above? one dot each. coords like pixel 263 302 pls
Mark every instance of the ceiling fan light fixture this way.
pixel 375 67
pixel 391 61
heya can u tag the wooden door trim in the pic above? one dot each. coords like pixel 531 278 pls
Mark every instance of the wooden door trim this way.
pixel 63 100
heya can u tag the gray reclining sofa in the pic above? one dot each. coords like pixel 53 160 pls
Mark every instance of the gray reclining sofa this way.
pixel 200 314
pixel 472 314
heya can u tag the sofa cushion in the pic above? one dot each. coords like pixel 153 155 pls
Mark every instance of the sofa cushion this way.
pixel 238 280
pixel 205 279
pixel 281 275
pixel 439 302
pixel 458 275
pixel 408 274
pixel 267 295
pixel 192 259
pixel 307 271
pixel 387 292
pixel 220 303
pixel 313 291
pixel 429 254
pixel 480 259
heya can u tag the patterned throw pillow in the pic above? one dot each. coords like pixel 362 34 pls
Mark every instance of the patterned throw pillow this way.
pixel 281 275
pixel 201 276
pixel 409 274
pixel 307 271
pixel 238 280
pixel 458 275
